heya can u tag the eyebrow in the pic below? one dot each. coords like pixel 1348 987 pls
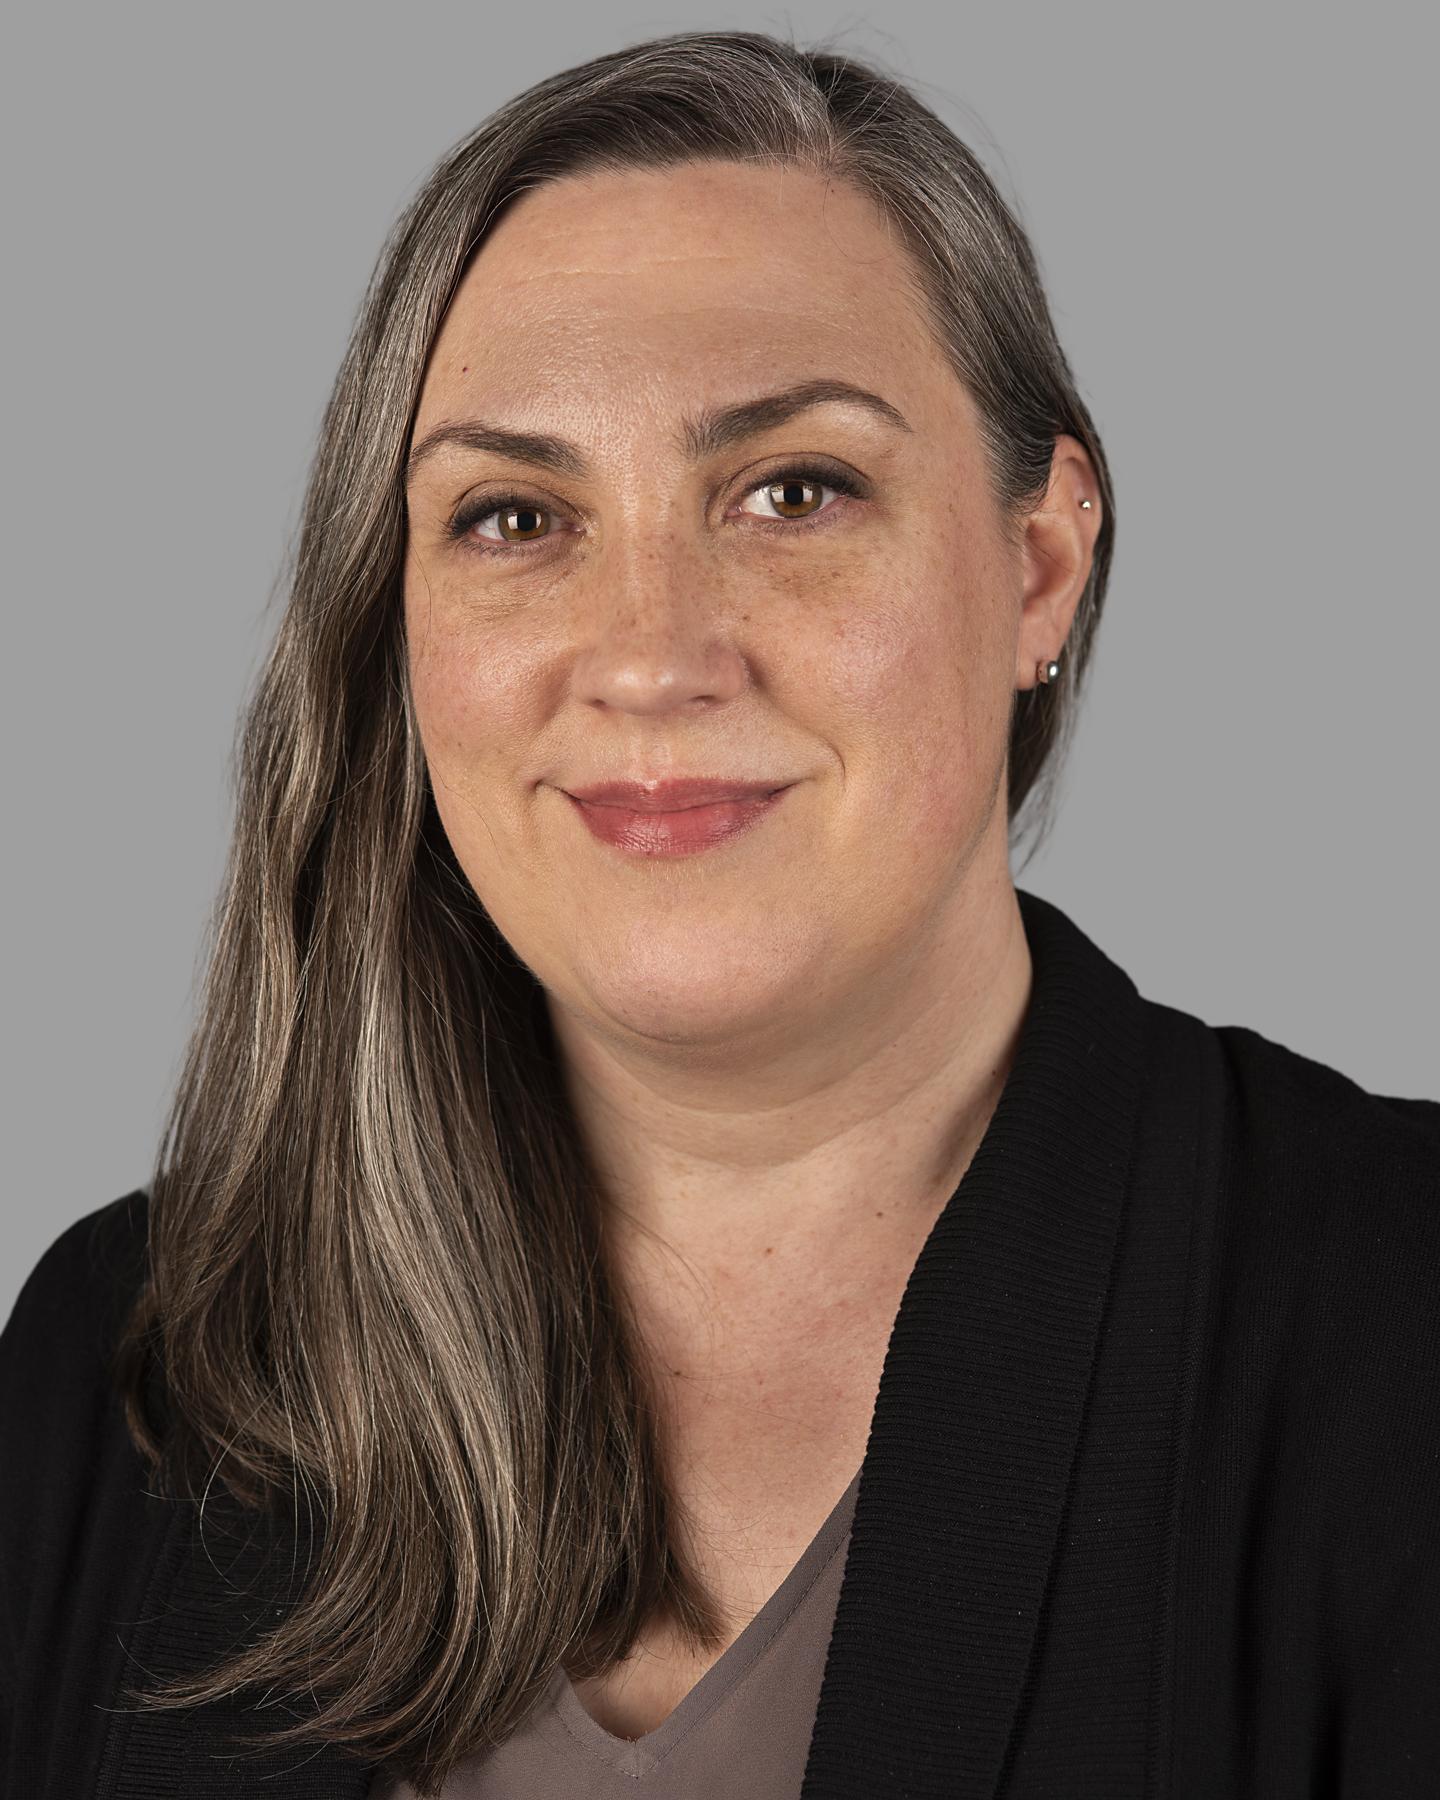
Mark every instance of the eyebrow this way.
pixel 715 429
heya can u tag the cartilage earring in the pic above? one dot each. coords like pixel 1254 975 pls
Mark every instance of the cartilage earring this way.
pixel 1046 671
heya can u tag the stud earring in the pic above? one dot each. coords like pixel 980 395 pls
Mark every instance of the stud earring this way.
pixel 1046 671
pixel 1086 505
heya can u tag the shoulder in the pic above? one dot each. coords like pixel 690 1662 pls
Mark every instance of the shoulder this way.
pixel 1302 1133
pixel 1321 1196
pixel 68 1313
pixel 79 1525
pixel 1328 1236
pixel 67 1465
pixel 1303 1547
pixel 1320 1099
pixel 1315 1241
pixel 1354 1166
pixel 1312 1370
pixel 57 1395
pixel 1319 1227
pixel 1317 1219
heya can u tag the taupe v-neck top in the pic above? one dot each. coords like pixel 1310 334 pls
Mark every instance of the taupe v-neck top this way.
pixel 744 1728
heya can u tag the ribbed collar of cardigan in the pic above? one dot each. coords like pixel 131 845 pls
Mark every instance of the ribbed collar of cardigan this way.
pixel 973 1439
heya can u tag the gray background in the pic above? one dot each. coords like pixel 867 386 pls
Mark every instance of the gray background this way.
pixel 1233 209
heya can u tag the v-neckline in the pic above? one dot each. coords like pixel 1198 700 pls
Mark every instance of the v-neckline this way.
pixel 636 1756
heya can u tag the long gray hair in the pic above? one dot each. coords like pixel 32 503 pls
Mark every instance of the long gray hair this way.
pixel 376 1271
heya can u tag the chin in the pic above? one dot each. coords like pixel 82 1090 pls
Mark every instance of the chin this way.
pixel 694 992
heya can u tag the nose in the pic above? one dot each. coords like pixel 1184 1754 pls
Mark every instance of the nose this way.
pixel 654 637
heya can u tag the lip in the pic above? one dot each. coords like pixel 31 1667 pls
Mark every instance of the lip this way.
pixel 674 818
pixel 675 794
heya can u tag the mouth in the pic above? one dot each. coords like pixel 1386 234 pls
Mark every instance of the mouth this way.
pixel 676 818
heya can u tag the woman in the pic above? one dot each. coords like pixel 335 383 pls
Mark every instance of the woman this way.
pixel 666 1270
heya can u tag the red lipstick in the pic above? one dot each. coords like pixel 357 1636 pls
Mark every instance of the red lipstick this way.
pixel 674 817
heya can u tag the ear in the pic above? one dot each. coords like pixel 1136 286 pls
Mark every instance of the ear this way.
pixel 1058 548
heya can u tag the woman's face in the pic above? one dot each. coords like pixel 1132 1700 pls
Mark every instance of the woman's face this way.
pixel 815 596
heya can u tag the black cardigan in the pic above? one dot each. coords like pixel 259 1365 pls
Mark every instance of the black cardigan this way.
pixel 1151 1499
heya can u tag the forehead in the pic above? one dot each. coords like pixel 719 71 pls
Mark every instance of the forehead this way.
pixel 705 279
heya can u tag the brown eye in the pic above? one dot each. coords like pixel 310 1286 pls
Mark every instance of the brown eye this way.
pixel 802 493
pixel 519 524
pixel 795 497
pixel 521 521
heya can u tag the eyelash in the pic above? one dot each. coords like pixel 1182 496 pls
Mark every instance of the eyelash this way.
pixel 819 476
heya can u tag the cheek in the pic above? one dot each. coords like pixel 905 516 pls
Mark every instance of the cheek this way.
pixel 473 693
pixel 920 685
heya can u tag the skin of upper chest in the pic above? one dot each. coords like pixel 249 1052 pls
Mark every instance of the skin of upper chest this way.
pixel 759 1445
